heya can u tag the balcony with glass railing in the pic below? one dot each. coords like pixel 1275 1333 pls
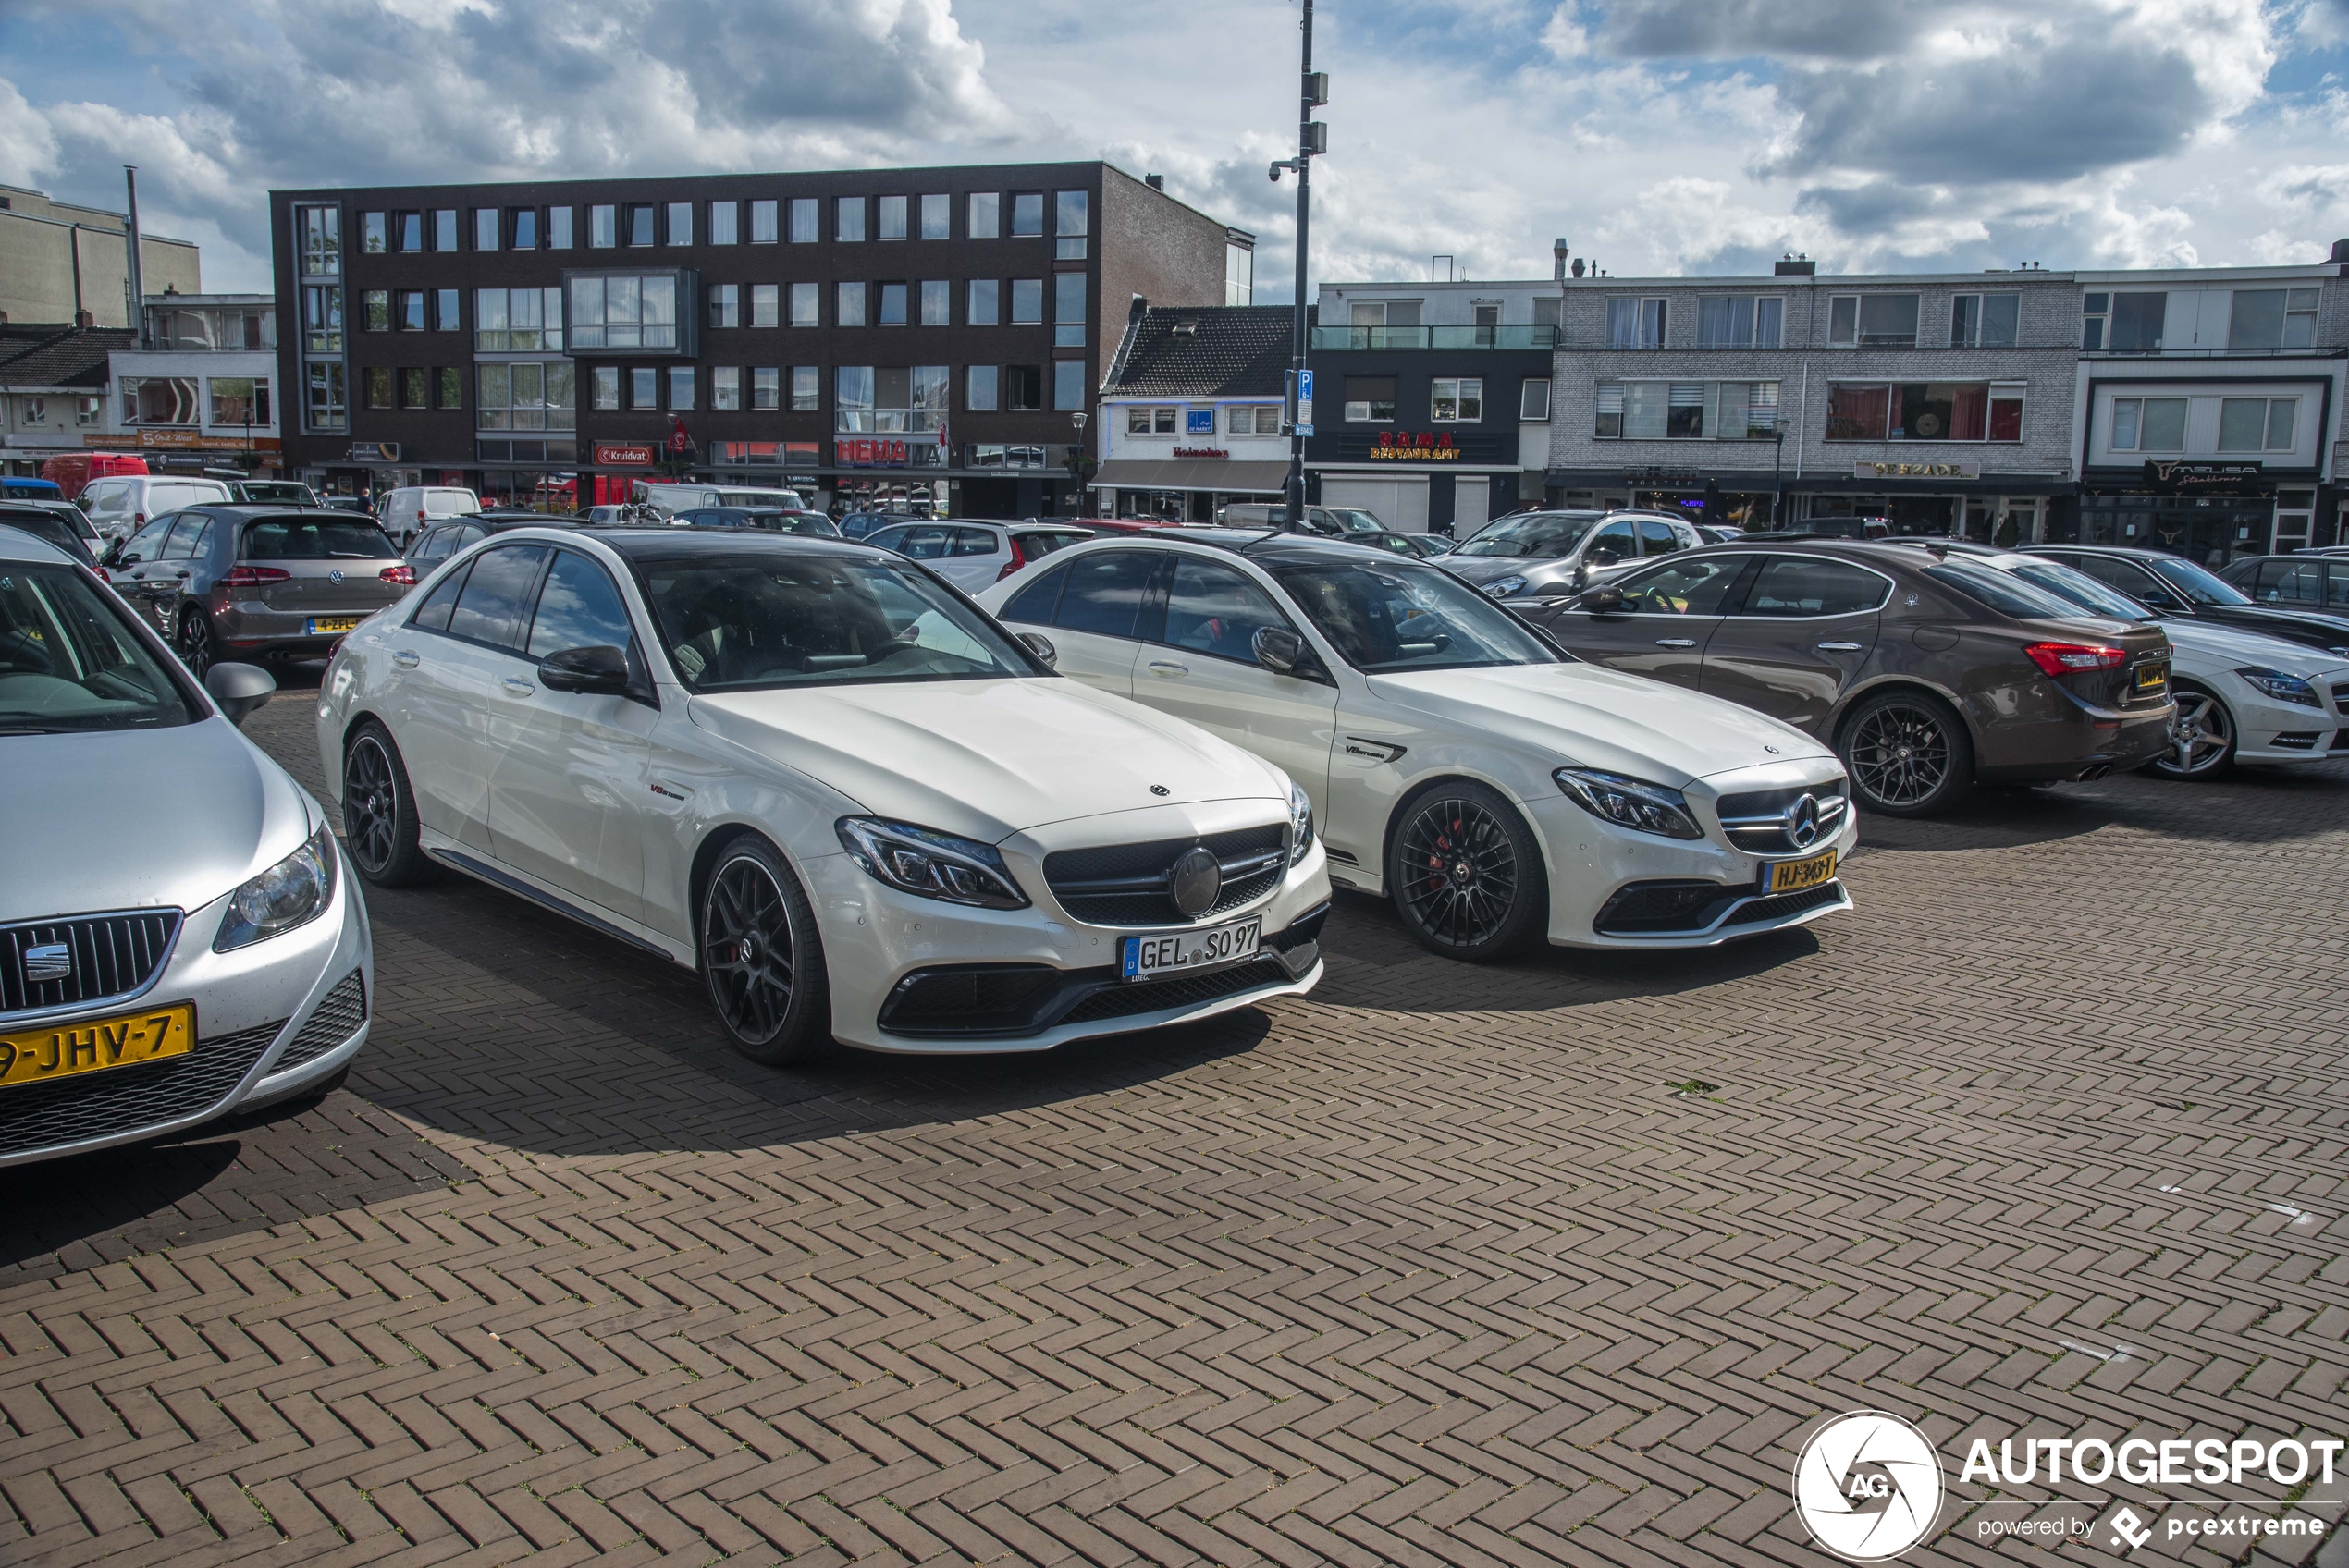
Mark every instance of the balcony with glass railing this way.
pixel 1544 337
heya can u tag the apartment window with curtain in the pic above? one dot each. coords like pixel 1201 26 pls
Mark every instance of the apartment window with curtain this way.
pixel 765 388
pixel 938 216
pixel 1457 400
pixel 985 215
pixel 1635 323
pixel 890 218
pixel 724 218
pixel 762 222
pixel 1925 411
pixel 1370 400
pixel 849 227
pixel 603 227
pixel 1872 320
pixel 1738 321
pixel 487 223
pixel 1984 321
pixel 804 220
pixel 1687 411
pixel 558 229
pixel 725 387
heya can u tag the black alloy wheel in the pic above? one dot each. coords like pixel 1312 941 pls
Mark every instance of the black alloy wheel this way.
pixel 761 957
pixel 379 825
pixel 1908 755
pixel 197 649
pixel 2202 738
pixel 1466 875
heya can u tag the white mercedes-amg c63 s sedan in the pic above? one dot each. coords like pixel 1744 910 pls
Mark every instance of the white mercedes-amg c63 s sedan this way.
pixel 814 772
pixel 1498 789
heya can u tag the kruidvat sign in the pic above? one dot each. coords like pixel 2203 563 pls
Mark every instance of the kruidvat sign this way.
pixel 623 454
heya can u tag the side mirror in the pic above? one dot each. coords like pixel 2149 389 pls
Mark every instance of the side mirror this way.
pixel 1603 601
pixel 1041 646
pixel 1278 649
pixel 112 555
pixel 1601 555
pixel 238 689
pixel 601 669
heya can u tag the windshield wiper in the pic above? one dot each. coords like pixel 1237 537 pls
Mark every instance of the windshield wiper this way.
pixel 33 730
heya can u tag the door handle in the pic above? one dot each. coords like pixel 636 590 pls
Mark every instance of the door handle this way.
pixel 1676 642
pixel 1839 647
pixel 407 660
pixel 516 686
pixel 1171 671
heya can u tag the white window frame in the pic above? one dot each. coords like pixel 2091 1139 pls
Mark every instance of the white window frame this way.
pixel 1525 411
pixel 1465 390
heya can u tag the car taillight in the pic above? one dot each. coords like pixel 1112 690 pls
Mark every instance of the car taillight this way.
pixel 1017 561
pixel 2072 658
pixel 403 574
pixel 253 576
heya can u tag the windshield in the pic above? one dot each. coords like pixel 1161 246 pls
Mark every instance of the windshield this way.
pixel 2096 597
pixel 796 522
pixel 1385 616
pixel 69 659
pixel 316 539
pixel 2004 592
pixel 754 622
pixel 279 490
pixel 2196 583
pixel 1533 535
pixel 1356 520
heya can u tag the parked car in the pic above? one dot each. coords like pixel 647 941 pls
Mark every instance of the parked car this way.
pixel 673 498
pixel 120 504
pixel 973 555
pixel 61 524
pixel 768 519
pixel 359 504
pixel 443 539
pixel 2304 580
pixel 1719 533
pixel 1562 552
pixel 1328 521
pixel 73 472
pixel 18 487
pixel 860 808
pixel 146 994
pixel 273 492
pixel 857 526
pixel 410 510
pixel 1500 794
pixel 2177 586
pixel 222 579
pixel 1925 670
pixel 2242 696
pixel 1419 546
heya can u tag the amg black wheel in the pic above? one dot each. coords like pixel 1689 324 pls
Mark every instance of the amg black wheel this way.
pixel 761 957
pixel 197 650
pixel 2202 739
pixel 1466 875
pixel 1908 755
pixel 380 826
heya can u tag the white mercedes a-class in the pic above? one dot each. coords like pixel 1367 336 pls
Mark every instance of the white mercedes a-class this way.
pixel 1499 790
pixel 807 768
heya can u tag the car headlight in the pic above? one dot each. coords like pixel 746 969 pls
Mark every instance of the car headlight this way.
pixel 1502 587
pixel 1629 802
pixel 930 864
pixel 2282 687
pixel 293 892
pixel 1300 823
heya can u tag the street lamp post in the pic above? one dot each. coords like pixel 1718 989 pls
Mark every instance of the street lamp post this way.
pixel 1777 471
pixel 1077 461
pixel 1312 140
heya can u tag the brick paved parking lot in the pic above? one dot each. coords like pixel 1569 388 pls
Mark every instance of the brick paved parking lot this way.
pixel 1560 1262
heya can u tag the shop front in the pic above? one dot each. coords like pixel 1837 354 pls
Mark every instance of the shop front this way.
pixel 2212 513
pixel 1953 500
pixel 1421 480
pixel 1193 486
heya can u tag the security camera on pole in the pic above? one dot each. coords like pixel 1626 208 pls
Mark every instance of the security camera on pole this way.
pixel 1313 141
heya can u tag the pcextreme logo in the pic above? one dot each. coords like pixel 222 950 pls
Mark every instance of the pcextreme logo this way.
pixel 1868 1485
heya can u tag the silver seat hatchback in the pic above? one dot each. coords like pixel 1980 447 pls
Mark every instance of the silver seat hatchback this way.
pixel 143 995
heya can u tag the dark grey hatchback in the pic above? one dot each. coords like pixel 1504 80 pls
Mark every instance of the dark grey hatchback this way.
pixel 234 582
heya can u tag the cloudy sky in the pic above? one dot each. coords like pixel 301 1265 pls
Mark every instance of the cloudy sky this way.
pixel 1657 136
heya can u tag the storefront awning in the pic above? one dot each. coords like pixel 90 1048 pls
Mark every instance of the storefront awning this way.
pixel 1195 473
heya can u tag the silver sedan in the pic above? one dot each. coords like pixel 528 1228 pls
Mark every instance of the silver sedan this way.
pixel 146 993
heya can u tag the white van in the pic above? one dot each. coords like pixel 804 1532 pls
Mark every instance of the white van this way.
pixel 120 504
pixel 407 513
pixel 675 499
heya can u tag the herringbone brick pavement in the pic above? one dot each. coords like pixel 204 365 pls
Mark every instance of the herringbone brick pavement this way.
pixel 1559 1263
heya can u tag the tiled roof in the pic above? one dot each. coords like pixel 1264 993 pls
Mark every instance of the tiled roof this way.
pixel 1206 351
pixel 60 356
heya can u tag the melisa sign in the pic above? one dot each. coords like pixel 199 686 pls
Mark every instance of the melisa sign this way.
pixel 1401 446
pixel 616 454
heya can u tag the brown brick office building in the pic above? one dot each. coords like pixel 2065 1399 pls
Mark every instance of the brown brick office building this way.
pixel 854 332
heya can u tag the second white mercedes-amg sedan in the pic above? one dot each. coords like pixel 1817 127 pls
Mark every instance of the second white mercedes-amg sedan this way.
pixel 815 773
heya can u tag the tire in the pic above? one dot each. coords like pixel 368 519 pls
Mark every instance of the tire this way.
pixel 761 958
pixel 1908 755
pixel 197 648
pixel 2207 729
pixel 379 825
pixel 1467 873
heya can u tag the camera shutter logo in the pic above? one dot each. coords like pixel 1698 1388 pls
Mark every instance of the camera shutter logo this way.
pixel 1868 1485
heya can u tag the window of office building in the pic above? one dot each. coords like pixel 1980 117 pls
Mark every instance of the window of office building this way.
pixel 624 311
pixel 444 308
pixel 928 387
pixel 325 406
pixel 985 215
pixel 375 310
pixel 374 233
pixel 1024 388
pixel 725 387
pixel 724 218
pixel 321 318
pixel 1533 398
pixel 937 302
pixel 1027 213
pixel 517 319
pixel 849 229
pixel 1457 400
pixel 762 222
pixel 853 398
pixel 238 399
pixel 978 388
pixel 415 388
pixel 1370 400
pixel 984 308
pixel 1925 411
pixel 680 386
pixel 1027 301
pixel 1735 321
pixel 444 230
pixel 603 227
pixel 319 231
pixel 450 384
pixel 803 220
pixel 1984 321
pixel 1872 320
pixel 890 218
pixel 1069 309
pixel 1068 384
pixel 765 388
pixel 377 382
pixel 526 396
pixel 523 228
pixel 1687 411
pixel 849 304
pixel 644 388
pixel 487 221
pixel 893 304
pixel 681 223
pixel 938 216
pixel 1072 221
pixel 558 229
pixel 804 304
pixel 725 305
pixel 806 388
pixel 410 316
pixel 604 386
pixel 408 232
pixel 766 304
pixel 2257 424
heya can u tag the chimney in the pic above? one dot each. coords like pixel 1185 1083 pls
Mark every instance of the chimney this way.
pixel 1796 267
pixel 2341 252
pixel 1155 181
pixel 1557 259
pixel 131 246
pixel 1578 267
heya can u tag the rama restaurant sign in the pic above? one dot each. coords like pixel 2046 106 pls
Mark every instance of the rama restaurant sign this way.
pixel 1916 470
pixel 1401 446
pixel 2204 476
pixel 623 454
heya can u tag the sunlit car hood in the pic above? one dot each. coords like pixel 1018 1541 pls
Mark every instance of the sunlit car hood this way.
pixel 1587 714
pixel 988 758
pixel 2243 646
pixel 1480 569
pixel 140 818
